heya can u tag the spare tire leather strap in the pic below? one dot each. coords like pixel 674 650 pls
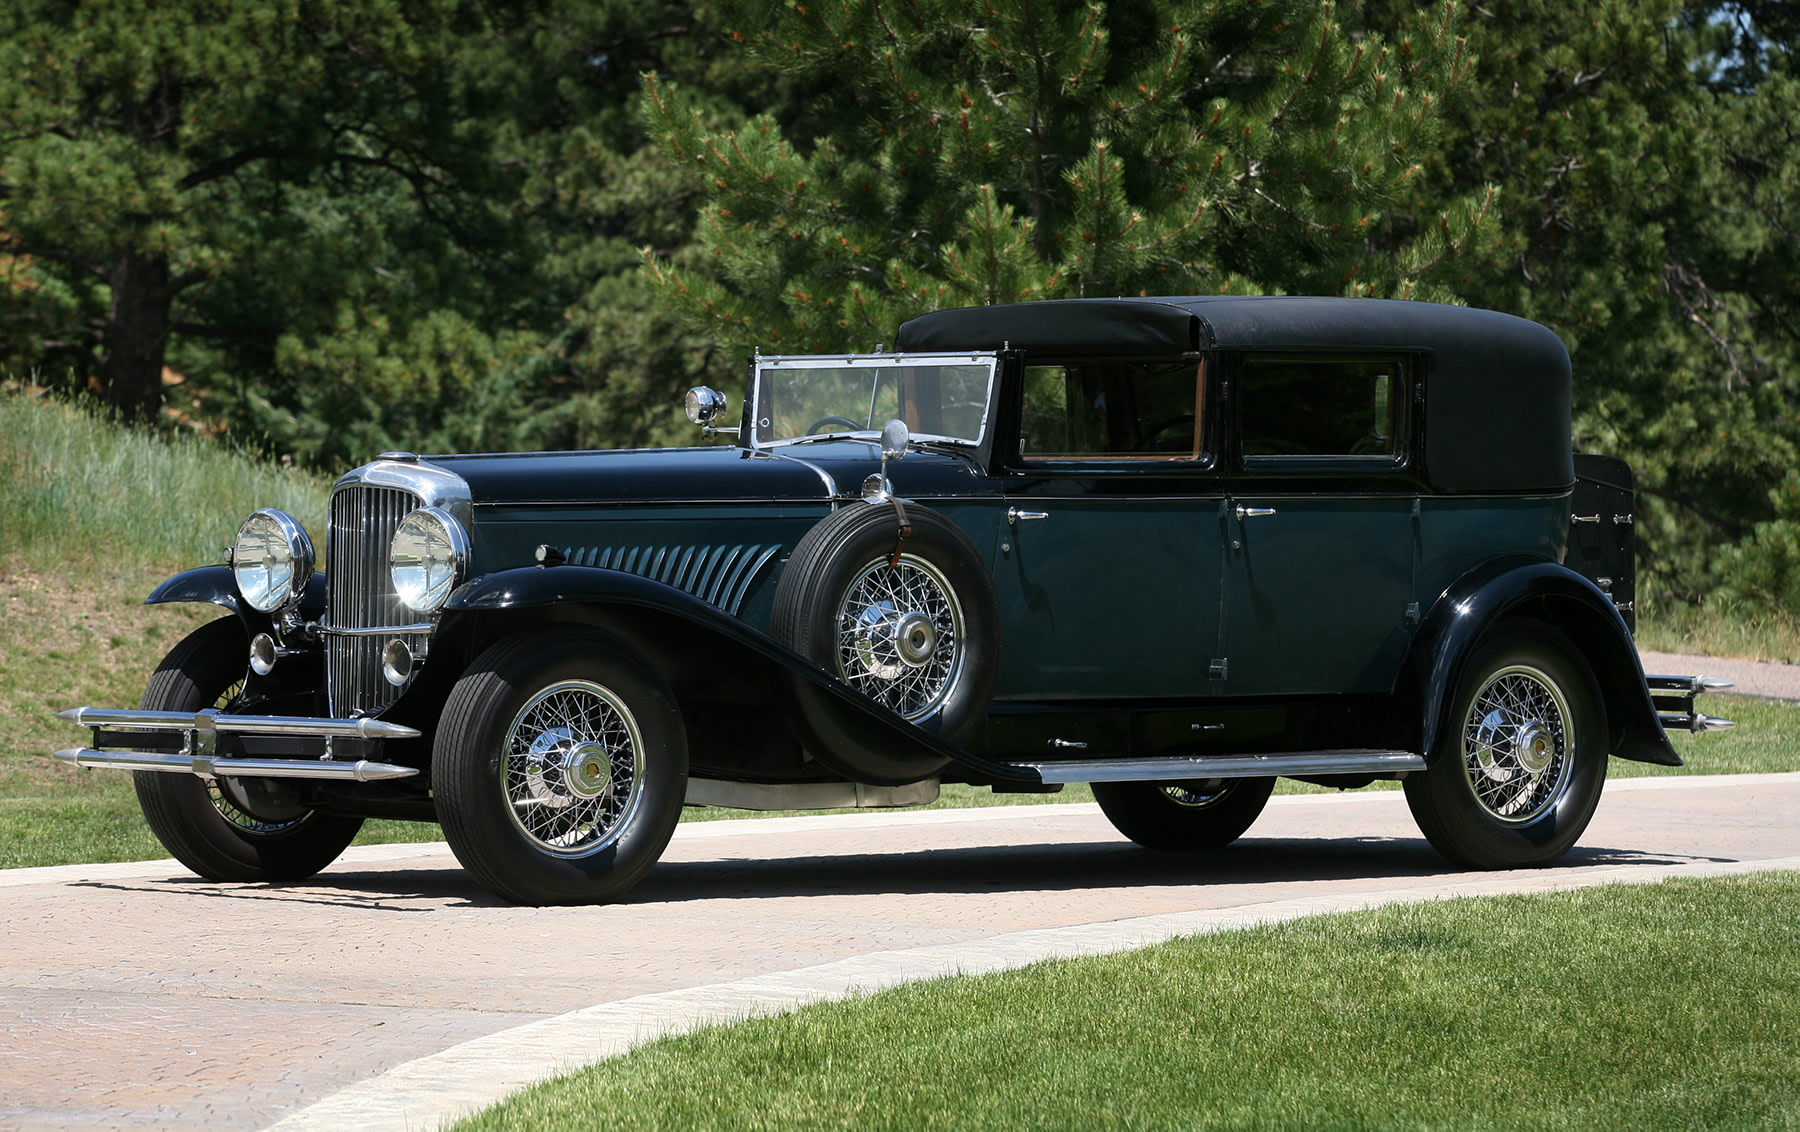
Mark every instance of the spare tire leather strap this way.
pixel 905 531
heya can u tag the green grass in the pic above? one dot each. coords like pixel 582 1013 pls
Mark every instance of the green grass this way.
pixel 1647 1006
pixel 1722 627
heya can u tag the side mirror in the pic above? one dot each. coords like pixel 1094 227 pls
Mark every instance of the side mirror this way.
pixel 704 405
pixel 894 439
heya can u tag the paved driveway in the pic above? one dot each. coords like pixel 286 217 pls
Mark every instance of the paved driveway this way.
pixel 139 996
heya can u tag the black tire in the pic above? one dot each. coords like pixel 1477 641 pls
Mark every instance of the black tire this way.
pixel 1184 816
pixel 560 768
pixel 226 830
pixel 1507 787
pixel 944 677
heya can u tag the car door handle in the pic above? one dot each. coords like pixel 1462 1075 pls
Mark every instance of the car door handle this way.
pixel 1016 516
pixel 1244 512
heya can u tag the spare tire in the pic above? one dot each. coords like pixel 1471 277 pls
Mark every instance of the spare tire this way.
pixel 917 631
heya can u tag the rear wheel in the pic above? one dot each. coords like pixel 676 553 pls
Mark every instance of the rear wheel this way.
pixel 228 829
pixel 1521 761
pixel 1184 816
pixel 560 768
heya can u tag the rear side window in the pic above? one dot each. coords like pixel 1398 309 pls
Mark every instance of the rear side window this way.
pixel 1113 411
pixel 1311 408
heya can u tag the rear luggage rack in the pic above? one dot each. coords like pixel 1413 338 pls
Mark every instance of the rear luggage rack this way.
pixel 1674 698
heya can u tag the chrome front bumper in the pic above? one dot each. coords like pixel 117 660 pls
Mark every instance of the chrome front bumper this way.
pixel 200 734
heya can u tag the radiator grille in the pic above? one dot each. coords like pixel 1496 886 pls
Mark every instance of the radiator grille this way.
pixel 361 594
pixel 720 575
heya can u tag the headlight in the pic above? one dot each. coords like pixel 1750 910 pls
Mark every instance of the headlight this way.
pixel 428 557
pixel 272 560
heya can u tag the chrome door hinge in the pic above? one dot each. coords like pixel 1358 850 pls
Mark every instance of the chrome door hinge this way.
pixel 1220 666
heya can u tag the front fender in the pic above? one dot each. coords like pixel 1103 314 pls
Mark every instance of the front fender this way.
pixel 541 588
pixel 217 585
pixel 1517 588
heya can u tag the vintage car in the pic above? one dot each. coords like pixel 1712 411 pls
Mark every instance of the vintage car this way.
pixel 1175 548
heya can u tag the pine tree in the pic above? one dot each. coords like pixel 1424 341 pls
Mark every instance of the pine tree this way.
pixel 981 153
pixel 1650 214
pixel 147 150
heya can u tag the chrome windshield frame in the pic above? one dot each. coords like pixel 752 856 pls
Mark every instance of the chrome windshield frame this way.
pixel 763 362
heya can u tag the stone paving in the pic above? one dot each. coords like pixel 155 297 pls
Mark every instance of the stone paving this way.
pixel 139 996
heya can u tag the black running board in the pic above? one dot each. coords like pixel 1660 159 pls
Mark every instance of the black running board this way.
pixel 1292 764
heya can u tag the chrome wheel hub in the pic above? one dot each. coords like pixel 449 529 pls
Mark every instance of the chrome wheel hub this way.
pixel 900 635
pixel 1516 740
pixel 573 768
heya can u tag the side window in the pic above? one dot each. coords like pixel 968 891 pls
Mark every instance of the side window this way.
pixel 1333 408
pixel 1113 410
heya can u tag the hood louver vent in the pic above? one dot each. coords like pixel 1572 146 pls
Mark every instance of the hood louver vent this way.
pixel 718 575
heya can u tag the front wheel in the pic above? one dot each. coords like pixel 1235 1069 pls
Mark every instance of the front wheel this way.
pixel 228 829
pixel 1521 761
pixel 560 768
pixel 1184 816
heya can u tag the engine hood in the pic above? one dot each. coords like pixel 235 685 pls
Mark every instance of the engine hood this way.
pixel 652 475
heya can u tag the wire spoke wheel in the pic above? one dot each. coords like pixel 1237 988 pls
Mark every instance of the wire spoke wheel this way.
pixel 1516 739
pixel 573 767
pixel 900 634
pixel 229 828
pixel 1520 761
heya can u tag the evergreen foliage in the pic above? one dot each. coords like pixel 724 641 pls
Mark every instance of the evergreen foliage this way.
pixel 997 153
pixel 1647 157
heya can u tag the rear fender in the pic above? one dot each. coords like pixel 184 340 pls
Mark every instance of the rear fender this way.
pixel 689 640
pixel 1510 590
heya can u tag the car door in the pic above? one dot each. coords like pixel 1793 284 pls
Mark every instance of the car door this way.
pixel 1321 523
pixel 1108 566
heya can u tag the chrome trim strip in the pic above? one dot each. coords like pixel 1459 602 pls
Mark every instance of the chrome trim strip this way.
pixel 373 631
pixel 831 487
pixel 359 771
pixel 241 724
pixel 1182 768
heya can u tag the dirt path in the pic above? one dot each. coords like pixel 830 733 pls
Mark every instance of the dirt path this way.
pixel 138 996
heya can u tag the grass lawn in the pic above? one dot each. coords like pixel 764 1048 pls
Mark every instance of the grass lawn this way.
pixel 1672 1005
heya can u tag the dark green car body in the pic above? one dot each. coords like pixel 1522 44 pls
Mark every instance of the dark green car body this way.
pixel 1221 538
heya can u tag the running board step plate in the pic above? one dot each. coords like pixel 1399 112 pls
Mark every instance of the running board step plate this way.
pixel 1180 769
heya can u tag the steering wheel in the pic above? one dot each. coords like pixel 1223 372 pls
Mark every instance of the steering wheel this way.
pixel 823 421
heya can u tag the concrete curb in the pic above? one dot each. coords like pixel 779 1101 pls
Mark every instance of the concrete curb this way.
pixel 434 1090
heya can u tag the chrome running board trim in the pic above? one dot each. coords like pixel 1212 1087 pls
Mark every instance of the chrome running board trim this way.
pixel 360 771
pixel 241 724
pixel 807 795
pixel 1181 768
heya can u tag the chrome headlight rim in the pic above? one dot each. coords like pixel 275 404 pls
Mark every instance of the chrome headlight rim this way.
pixel 427 594
pixel 270 596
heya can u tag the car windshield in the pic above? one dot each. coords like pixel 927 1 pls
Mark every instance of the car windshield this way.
pixel 940 397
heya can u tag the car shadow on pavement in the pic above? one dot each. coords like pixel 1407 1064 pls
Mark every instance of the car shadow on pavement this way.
pixel 1074 867
pixel 1051 867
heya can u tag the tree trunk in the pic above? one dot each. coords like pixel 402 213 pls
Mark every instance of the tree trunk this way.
pixel 137 334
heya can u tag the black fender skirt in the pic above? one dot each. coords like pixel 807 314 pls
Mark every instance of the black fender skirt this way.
pixel 873 727
pixel 1508 588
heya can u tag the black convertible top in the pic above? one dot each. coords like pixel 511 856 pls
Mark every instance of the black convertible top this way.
pixel 1497 397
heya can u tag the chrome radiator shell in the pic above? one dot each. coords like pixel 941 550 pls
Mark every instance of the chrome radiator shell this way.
pixel 362 611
